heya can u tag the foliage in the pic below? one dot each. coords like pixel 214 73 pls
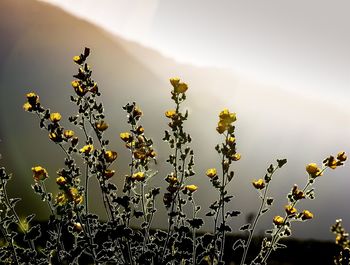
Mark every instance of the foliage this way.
pixel 75 234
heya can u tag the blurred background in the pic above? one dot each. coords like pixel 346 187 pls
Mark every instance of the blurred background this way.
pixel 283 67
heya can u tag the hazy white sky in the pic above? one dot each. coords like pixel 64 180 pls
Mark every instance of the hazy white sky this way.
pixel 298 45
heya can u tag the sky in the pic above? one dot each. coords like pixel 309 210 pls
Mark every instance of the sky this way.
pixel 300 46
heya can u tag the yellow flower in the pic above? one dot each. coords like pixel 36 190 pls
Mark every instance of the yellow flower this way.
pixel 137 112
pixel 211 172
pixel 54 137
pixel 278 220
pixel 110 156
pixel 307 215
pixel 68 134
pixel 221 128
pixel 109 173
pixel 61 181
pixel 27 106
pixel 174 81
pixel 139 176
pixel 77 227
pixel 172 179
pixel 126 137
pixel 77 59
pixel 140 130
pixel 40 173
pixel 33 98
pixel 259 184
pixel 87 149
pixel 181 88
pixel 236 157
pixel 290 209
pixel 101 126
pixel 61 199
pixel 191 188
pixel 55 117
pixel 341 156
pixel 171 114
pixel 231 140
pixel 313 170
pixel 75 83
pixel 227 117
pixel 75 196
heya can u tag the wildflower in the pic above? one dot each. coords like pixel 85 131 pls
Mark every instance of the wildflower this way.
pixel 77 59
pixel 27 106
pixel 307 215
pixel 55 117
pixel 61 199
pixel 297 194
pixel 172 179
pixel 171 114
pixel 140 130
pixel 32 98
pixel 180 88
pixel 61 181
pixel 278 220
pixel 75 83
pixel 68 134
pixel 290 209
pixel 231 140
pixel 227 117
pixel 101 125
pixel 110 156
pixel 211 172
pixel 236 157
pixel 75 196
pixel 87 149
pixel 139 154
pixel 77 227
pixel 54 137
pixel 174 81
pixel 331 162
pixel 341 156
pixel 191 188
pixel 313 170
pixel 137 112
pixel 109 173
pixel 40 173
pixel 259 184
pixel 126 137
pixel 139 176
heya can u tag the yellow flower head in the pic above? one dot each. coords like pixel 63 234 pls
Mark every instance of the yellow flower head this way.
pixel 181 88
pixel 307 215
pixel 55 117
pixel 27 106
pixel 290 209
pixel 278 220
pixel 61 199
pixel 40 173
pixel 236 157
pixel 68 134
pixel 342 156
pixel 139 176
pixel 101 126
pixel 75 196
pixel 54 137
pixel 87 149
pixel 32 98
pixel 211 172
pixel 231 140
pixel 172 179
pixel 77 59
pixel 137 112
pixel 109 173
pixel 61 181
pixel 174 81
pixel 313 170
pixel 126 137
pixel 259 184
pixel 171 114
pixel 75 83
pixel 110 156
pixel 191 188
pixel 227 117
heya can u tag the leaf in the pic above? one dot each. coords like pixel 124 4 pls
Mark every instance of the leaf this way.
pixel 281 162
pixel 196 223
pixel 29 218
pixel 238 244
pixel 244 227
pixel 33 233
pixel 233 213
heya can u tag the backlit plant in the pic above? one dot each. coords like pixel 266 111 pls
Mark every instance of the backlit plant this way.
pixel 74 234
